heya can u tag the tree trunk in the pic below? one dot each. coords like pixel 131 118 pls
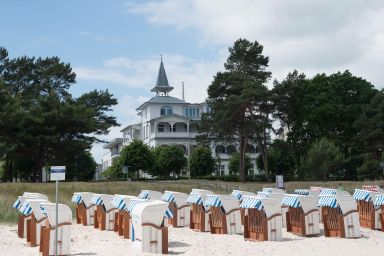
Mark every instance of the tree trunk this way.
pixel 242 158
pixel 264 156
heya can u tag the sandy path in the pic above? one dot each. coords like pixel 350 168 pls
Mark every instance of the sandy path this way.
pixel 183 241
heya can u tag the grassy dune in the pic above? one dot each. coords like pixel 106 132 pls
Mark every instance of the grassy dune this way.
pixel 10 191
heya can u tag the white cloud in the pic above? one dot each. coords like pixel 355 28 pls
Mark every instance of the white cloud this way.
pixel 313 36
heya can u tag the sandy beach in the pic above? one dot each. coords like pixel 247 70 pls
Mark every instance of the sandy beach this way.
pixel 183 241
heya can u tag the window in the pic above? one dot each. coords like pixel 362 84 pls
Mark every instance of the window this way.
pixel 222 170
pixel 160 127
pixel 166 110
pixel 191 112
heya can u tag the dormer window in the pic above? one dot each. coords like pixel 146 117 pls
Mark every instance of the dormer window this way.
pixel 166 111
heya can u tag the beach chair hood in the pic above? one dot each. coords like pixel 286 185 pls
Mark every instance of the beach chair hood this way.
pixel 65 213
pixel 150 194
pixel 176 197
pixel 307 203
pixel 228 202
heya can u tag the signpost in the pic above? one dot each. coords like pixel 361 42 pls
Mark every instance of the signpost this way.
pixel 280 181
pixel 57 174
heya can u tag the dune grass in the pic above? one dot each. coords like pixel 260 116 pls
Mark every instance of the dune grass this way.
pixel 10 191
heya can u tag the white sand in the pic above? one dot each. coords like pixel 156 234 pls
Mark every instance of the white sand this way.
pixel 183 241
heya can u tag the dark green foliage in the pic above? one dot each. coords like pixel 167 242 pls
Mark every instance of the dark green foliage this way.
pixel 370 169
pixel 201 161
pixel 239 101
pixel 169 159
pixel 234 164
pixel 137 156
pixel 42 123
pixel 323 160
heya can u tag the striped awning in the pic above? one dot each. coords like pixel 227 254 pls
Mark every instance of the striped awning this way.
pixel 77 199
pixel 251 202
pixel 316 189
pixel 291 200
pixel 17 204
pixel 379 200
pixel 267 190
pixel 96 199
pixel 362 195
pixel 26 209
pixel 328 201
pixel 238 194
pixel 132 204
pixel 169 213
pixel 144 195
pixel 42 208
pixel 327 192
pixel 304 192
pixel 168 197
pixel 263 194
pixel 213 200
pixel 118 202
pixel 372 188
pixel 194 198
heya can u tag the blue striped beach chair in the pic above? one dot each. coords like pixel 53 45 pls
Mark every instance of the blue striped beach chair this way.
pixel 368 212
pixel 199 214
pixel 181 209
pixel 263 219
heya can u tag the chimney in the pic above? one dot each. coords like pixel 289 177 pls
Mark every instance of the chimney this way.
pixel 182 91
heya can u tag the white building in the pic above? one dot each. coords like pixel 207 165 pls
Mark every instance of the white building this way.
pixel 169 120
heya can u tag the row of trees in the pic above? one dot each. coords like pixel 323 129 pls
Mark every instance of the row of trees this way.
pixel 42 124
pixel 332 125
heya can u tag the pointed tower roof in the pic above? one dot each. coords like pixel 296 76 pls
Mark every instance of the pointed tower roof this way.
pixel 162 85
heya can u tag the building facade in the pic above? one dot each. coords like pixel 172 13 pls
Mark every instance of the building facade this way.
pixel 168 120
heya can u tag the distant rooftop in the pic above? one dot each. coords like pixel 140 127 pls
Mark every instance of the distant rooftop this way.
pixel 162 100
pixel 113 143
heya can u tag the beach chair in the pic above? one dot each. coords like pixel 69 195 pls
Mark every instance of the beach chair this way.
pixel 22 219
pixel 130 203
pixel 32 208
pixel 341 218
pixel 150 194
pixel 199 215
pixel 239 195
pixel 181 210
pixel 47 243
pixel 150 229
pixel 104 217
pixel 121 216
pixel 263 219
pixel 302 215
pixel 369 214
pixel 85 209
pixel 283 208
pixel 224 216
pixel 379 203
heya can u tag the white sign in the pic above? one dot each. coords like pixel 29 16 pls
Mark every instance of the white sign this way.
pixel 57 173
pixel 280 181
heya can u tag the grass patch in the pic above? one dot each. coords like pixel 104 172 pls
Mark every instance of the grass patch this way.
pixel 10 191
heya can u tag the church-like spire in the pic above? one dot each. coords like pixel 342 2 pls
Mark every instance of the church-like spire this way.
pixel 162 86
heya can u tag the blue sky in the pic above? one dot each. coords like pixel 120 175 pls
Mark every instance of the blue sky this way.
pixel 116 45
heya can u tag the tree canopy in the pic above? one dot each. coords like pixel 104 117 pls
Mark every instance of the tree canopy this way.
pixel 201 162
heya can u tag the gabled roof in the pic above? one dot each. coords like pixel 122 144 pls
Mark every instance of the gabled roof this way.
pixel 162 100
pixel 129 126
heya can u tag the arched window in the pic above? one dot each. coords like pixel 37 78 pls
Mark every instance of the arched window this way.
pixel 231 149
pixel 166 110
pixel 220 149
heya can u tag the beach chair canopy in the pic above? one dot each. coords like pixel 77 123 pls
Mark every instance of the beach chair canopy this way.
pixel 152 212
pixel 20 200
pixel 83 197
pixel 119 202
pixel 150 194
pixel 36 205
pixel 198 196
pixel 307 192
pixel 228 202
pixel 133 202
pixel 26 208
pixel 175 197
pixel 379 201
pixel 274 190
pixel 308 203
pixel 270 206
pixel 65 213
pixel 263 194
pixel 316 189
pixel 279 197
pixel 364 195
pixel 373 188
pixel 345 202
pixel 103 199
pixel 239 194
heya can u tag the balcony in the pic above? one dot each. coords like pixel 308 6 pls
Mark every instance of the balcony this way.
pixel 174 134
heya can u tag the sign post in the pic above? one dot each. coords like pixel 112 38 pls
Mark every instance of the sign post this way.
pixel 57 174
pixel 280 181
